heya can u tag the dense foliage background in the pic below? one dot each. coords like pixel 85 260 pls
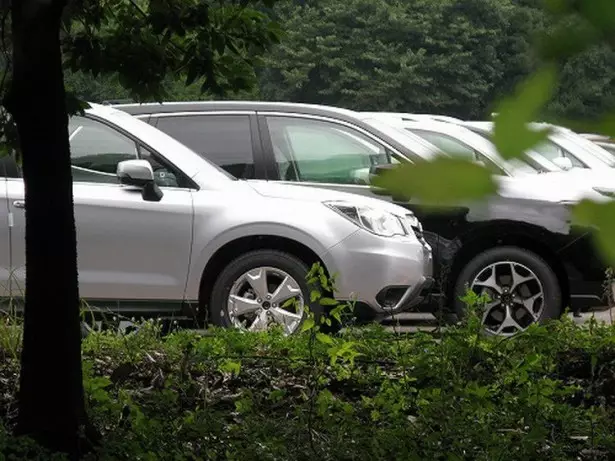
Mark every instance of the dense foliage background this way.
pixel 448 56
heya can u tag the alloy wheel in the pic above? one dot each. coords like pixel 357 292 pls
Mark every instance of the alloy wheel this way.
pixel 263 297
pixel 516 297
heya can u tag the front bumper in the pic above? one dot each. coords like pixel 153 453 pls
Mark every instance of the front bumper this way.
pixel 383 275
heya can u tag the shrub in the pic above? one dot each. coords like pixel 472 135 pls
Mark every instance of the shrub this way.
pixel 547 393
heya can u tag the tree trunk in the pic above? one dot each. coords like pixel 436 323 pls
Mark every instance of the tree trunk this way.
pixel 51 401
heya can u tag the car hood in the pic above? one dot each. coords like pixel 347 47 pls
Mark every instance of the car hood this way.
pixel 590 177
pixel 316 194
pixel 555 187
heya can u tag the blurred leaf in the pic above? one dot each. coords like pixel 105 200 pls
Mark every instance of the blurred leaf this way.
pixel 600 13
pixel 558 6
pixel 512 135
pixel 325 339
pixel 445 180
pixel 601 216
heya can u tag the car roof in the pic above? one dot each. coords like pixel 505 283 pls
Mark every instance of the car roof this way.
pixel 413 147
pixel 209 106
pixel 414 117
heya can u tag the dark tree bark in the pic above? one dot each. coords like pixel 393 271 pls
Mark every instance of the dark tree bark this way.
pixel 51 401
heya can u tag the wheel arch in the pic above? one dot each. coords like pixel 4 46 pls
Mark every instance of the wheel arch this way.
pixel 243 245
pixel 506 233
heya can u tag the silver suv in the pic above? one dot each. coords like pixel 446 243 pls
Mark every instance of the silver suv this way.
pixel 160 229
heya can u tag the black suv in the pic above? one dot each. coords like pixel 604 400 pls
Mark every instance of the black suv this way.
pixel 524 253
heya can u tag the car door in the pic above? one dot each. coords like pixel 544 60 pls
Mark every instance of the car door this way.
pixel 128 248
pixel 228 139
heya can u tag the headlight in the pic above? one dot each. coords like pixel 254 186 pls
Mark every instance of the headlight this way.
pixel 377 221
pixel 413 221
pixel 606 192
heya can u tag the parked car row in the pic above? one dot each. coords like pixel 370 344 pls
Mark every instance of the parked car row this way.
pixel 220 208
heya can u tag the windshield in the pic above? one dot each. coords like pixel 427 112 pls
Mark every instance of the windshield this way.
pixel 529 165
pixel 610 148
pixel 594 149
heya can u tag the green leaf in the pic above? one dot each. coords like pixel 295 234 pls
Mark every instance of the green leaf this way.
pixel 442 181
pixel 511 135
pixel 325 339
pixel 277 394
pixel 308 324
pixel 328 302
pixel 601 216
pixel 229 366
pixel 288 303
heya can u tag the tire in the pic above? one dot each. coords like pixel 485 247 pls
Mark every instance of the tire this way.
pixel 480 267
pixel 255 261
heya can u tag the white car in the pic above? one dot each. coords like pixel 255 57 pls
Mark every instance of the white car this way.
pixel 159 229
pixel 535 178
pixel 565 151
pixel 414 117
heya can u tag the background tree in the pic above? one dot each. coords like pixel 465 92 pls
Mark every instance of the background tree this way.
pixel 141 43
pixel 452 57
pixel 418 56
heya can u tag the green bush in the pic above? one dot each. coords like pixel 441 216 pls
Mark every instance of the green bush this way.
pixel 547 393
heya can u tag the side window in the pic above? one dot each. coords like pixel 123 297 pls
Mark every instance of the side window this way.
pixel 551 151
pixel 225 140
pixel 96 149
pixel 325 152
pixel 165 175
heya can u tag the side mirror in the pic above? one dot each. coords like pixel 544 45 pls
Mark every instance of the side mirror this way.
pixel 139 174
pixel 564 163
pixel 377 170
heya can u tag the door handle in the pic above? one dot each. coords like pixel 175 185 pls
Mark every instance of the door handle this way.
pixel 19 204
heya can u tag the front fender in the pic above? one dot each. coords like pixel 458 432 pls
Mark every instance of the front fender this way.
pixel 203 254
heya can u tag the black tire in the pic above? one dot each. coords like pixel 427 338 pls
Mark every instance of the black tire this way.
pixel 293 266
pixel 553 304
